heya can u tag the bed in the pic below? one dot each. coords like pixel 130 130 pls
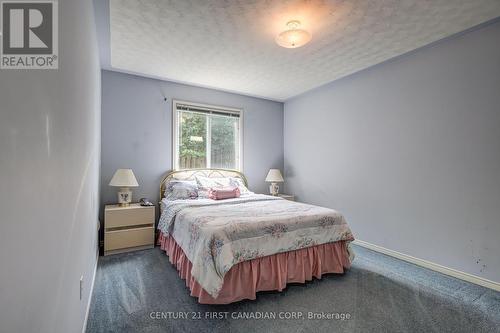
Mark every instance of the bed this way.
pixel 228 250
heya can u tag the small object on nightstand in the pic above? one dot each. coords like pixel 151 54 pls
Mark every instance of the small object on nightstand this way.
pixel 287 196
pixel 145 202
pixel 128 228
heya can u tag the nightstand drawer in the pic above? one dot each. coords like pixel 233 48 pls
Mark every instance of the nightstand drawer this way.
pixel 129 217
pixel 120 239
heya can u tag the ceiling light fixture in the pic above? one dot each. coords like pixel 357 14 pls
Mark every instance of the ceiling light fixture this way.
pixel 293 37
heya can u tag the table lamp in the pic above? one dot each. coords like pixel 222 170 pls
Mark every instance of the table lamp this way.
pixel 124 178
pixel 274 176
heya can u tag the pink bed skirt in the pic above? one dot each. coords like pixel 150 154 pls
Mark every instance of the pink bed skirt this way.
pixel 273 272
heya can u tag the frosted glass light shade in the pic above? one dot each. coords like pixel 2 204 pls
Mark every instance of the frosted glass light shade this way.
pixel 293 37
pixel 124 178
pixel 274 176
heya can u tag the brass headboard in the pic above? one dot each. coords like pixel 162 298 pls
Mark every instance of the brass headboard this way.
pixel 190 174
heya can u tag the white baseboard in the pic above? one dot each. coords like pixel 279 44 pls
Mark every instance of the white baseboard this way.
pixel 430 265
pixel 90 294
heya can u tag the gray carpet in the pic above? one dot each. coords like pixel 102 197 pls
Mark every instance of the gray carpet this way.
pixel 378 294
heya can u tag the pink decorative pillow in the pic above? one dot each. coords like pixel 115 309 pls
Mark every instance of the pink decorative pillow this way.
pixel 224 193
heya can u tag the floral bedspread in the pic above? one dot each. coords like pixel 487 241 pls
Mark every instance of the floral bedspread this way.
pixel 216 235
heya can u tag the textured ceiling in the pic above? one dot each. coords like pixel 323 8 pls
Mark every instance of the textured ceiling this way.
pixel 230 44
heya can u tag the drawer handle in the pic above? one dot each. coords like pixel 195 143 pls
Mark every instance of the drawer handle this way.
pixel 128 227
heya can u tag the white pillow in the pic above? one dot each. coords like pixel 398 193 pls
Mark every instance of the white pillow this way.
pixel 181 189
pixel 206 183
pixel 238 182
pixel 213 182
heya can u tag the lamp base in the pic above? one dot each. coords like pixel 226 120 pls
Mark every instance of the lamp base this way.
pixel 274 188
pixel 124 196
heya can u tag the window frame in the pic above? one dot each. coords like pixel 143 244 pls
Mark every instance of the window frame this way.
pixel 175 131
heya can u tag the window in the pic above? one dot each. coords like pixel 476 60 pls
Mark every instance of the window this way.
pixel 206 136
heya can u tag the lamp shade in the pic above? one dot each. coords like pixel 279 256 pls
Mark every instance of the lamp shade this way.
pixel 293 37
pixel 124 178
pixel 274 176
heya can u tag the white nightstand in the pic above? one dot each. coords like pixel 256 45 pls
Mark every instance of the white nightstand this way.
pixel 128 228
pixel 286 196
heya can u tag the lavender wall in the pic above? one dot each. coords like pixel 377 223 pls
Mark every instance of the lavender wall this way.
pixel 137 131
pixel 409 151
